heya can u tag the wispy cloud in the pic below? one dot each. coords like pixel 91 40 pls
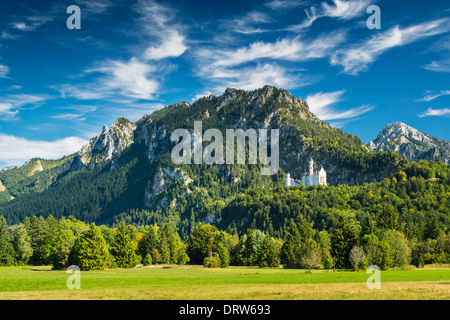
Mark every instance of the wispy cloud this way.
pixel 261 63
pixel 11 104
pixel 140 76
pixel 340 9
pixel 77 113
pixel 130 78
pixel 286 4
pixel 4 70
pixel 439 66
pixel 172 47
pixel 69 116
pixel 321 104
pixel 31 23
pixel 7 110
pixel 159 22
pixel 435 112
pixel 24 149
pixel 82 91
pixel 442 65
pixel 431 96
pixel 249 23
pixel 116 78
pixel 357 58
pixel 289 49
pixel 95 7
pixel 250 78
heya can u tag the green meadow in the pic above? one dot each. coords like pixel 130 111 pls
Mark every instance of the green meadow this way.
pixel 233 283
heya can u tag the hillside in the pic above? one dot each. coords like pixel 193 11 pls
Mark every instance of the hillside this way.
pixel 127 168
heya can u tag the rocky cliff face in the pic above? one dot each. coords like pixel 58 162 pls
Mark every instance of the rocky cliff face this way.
pixel 157 184
pixel 411 143
pixel 106 145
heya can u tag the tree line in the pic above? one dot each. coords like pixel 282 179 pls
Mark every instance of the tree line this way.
pixel 68 241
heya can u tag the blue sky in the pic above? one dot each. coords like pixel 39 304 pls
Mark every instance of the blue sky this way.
pixel 58 87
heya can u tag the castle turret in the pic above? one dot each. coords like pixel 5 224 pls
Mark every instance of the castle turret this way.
pixel 311 167
pixel 288 180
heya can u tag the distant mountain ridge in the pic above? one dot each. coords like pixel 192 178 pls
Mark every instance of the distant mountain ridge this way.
pixel 411 143
pixel 128 166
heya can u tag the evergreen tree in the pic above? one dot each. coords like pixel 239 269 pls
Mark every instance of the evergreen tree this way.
pixel 123 248
pixel 149 242
pixel 343 238
pixel 367 225
pixel 22 244
pixel 221 250
pixel 164 250
pixel 37 229
pixel 253 245
pixel 6 247
pixel 90 251
pixel 388 217
pixel 269 255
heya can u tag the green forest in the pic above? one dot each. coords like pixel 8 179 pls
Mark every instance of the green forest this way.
pixel 60 213
pixel 397 222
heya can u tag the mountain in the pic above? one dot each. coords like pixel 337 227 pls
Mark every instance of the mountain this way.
pixel 411 143
pixel 126 171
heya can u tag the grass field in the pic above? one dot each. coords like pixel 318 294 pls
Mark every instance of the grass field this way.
pixel 233 283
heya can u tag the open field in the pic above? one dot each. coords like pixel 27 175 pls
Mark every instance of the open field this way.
pixel 233 283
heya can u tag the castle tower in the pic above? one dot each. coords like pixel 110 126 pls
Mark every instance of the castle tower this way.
pixel 288 180
pixel 311 167
pixel 322 177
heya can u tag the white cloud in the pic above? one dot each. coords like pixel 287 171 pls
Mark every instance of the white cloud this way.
pixel 69 116
pixel 341 9
pixel 7 111
pixel 31 23
pixel 286 4
pixel 140 76
pixel 258 64
pixel 11 104
pixel 357 58
pixel 257 77
pixel 345 10
pixel 4 70
pixel 159 22
pixel 24 149
pixel 250 23
pixel 319 101
pixel 82 92
pixel 96 7
pixel 22 26
pixel 321 105
pixel 8 36
pixel 435 112
pixel 293 49
pixel 201 95
pixel 172 47
pixel 430 96
pixel 130 78
pixel 439 66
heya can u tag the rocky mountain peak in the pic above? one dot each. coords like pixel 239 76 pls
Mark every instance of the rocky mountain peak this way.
pixel 411 143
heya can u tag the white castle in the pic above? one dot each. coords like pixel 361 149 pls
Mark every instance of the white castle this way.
pixel 314 178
